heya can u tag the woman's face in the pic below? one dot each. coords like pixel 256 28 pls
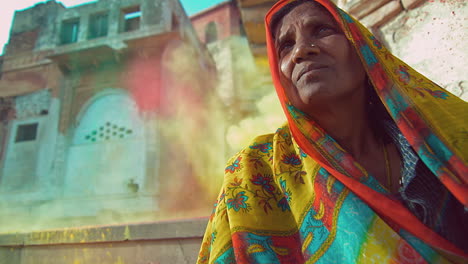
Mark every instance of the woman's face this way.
pixel 317 63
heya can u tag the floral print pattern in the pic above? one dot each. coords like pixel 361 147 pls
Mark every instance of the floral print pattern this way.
pixel 264 148
pixel 436 94
pixel 403 74
pixel 262 189
pixel 265 182
pixel 235 166
pixel 238 202
pixel 291 159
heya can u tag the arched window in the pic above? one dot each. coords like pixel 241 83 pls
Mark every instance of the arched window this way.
pixel 108 148
pixel 112 115
pixel 211 32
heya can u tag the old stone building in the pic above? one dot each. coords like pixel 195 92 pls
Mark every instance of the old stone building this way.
pixel 103 122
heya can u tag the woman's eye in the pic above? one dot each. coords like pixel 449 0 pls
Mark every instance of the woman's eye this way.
pixel 325 30
pixel 285 46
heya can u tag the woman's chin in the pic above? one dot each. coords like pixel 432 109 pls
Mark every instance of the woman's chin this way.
pixel 316 94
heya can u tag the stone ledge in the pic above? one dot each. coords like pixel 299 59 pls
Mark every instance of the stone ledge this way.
pixel 410 4
pixel 187 228
pixel 117 41
pixel 364 8
pixel 383 14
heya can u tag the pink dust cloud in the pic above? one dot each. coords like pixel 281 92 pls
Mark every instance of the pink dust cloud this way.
pixel 156 89
pixel 143 80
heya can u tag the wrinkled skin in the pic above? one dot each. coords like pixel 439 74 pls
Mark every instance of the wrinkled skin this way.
pixel 318 65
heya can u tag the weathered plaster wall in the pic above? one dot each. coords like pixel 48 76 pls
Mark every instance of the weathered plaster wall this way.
pixel 25 73
pixel 34 27
pixel 432 38
pixel 27 162
pixel 29 173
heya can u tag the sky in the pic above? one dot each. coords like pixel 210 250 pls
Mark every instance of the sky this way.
pixel 8 7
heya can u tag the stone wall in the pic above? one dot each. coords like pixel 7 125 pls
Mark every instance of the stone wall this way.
pixel 432 39
pixel 144 243
pixel 428 35
pixel 33 28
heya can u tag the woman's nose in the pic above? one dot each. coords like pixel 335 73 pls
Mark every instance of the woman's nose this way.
pixel 304 51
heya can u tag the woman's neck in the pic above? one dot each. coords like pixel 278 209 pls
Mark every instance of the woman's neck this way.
pixel 348 123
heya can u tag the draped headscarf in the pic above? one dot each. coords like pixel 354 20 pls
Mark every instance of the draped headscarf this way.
pixel 297 196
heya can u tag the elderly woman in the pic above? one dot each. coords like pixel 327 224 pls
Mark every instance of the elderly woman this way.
pixel 371 166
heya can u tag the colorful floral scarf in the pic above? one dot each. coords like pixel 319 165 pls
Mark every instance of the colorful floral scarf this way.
pixel 296 196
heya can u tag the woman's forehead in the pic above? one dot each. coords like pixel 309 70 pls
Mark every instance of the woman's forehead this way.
pixel 306 14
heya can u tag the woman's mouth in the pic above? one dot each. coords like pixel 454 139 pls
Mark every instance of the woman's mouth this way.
pixel 311 69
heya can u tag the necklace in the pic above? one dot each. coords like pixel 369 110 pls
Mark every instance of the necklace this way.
pixel 388 168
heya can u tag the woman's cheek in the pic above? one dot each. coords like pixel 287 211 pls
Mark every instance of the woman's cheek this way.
pixel 285 68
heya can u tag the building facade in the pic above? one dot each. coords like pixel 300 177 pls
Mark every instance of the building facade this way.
pixel 103 124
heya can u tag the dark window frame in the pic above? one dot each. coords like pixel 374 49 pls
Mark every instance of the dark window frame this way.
pixel 211 32
pixel 131 18
pixel 26 132
pixel 98 25
pixel 70 30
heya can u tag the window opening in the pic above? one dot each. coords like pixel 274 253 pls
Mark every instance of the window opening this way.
pixel 242 29
pixel 1 67
pixel 131 19
pixel 211 32
pixel 175 22
pixel 98 25
pixel 70 30
pixel 27 132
